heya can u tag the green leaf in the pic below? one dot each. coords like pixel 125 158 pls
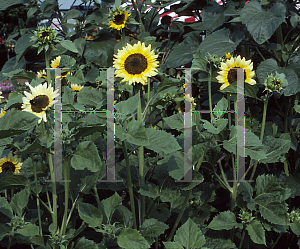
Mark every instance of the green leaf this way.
pixel 86 156
pixel 128 106
pixel 260 23
pixel 220 108
pixel 275 148
pixel 69 45
pixel 219 125
pixel 90 214
pixel 219 43
pixel 250 91
pixel 78 78
pixel 153 228
pixel 214 243
pixel 89 96
pixel 47 7
pixel 15 122
pixel 5 4
pixel 189 235
pixel 182 53
pixel 292 79
pixel 86 243
pixel 13 181
pixel 35 147
pixel 172 245
pixel 256 232
pixel 253 146
pixel 271 196
pixel 72 14
pixel 92 75
pixel 295 226
pixel 29 230
pixel 161 141
pixel 247 192
pixel 199 61
pixel 132 239
pixel 19 201
pixel 136 133
pixel 13 101
pixel 109 205
pixel 265 68
pixel 224 221
pixel 5 208
pixel 212 17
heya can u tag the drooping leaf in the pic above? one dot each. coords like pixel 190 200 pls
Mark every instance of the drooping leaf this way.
pixel 86 243
pixel 172 245
pixel 260 23
pixel 295 226
pixel 19 201
pixel 131 239
pixel 153 228
pixel 189 235
pixel 108 206
pixel 217 243
pixel 5 208
pixel 90 214
pixel 224 221
pixel 29 230
pixel 256 232
pixel 128 106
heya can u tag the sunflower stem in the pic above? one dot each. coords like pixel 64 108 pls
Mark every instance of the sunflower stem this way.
pixel 129 184
pixel 149 111
pixel 54 214
pixel 209 93
pixel 138 16
pixel 66 167
pixel 141 169
pixel 47 58
pixel 234 169
pixel 229 113
pixel 123 37
pixel 261 132
pixel 37 199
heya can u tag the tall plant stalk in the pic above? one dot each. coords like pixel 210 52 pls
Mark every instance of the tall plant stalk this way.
pixel 37 199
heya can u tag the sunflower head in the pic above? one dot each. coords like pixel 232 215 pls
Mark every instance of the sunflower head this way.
pixel 180 105
pixel 228 56
pixel 42 74
pixel 275 83
pixel 10 163
pixel 228 73
pixel 213 59
pixel 118 18
pixel 76 87
pixel 135 63
pixel 55 63
pixel 44 38
pixel 1 97
pixel 40 99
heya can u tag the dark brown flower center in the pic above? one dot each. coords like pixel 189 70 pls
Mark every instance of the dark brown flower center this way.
pixel 232 75
pixel 8 166
pixel 39 103
pixel 45 34
pixel 136 64
pixel 119 19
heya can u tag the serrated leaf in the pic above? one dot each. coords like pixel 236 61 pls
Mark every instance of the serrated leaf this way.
pixel 131 239
pixel 19 201
pixel 260 23
pixel 161 141
pixel 109 205
pixel 295 226
pixel 29 230
pixel 128 106
pixel 219 125
pixel 90 214
pixel 5 208
pixel 85 243
pixel 136 133
pixel 253 146
pixel 220 108
pixel 189 235
pixel 247 192
pixel 256 232
pixel 153 228
pixel 69 46
pixel 89 96
pixel 216 243
pixel 86 156
pixel 172 245
pixel 224 221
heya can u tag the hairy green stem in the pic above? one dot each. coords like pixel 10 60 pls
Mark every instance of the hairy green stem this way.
pixel 261 132
pixel 242 238
pixel 229 113
pixel 209 93
pixel 37 199
pixel 66 168
pixel 9 240
pixel 141 169
pixel 234 171
pixel 97 196
pixel 54 214
pixel 152 205
pixel 123 37
pixel 180 215
pixel 279 236
pixel 47 58
pixel 129 185
pixel 138 16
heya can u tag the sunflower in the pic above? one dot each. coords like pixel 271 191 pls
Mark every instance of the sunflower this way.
pixel 1 97
pixel 55 63
pixel 229 74
pixel 2 113
pixel 76 87
pixel 118 18
pixel 40 99
pixel 135 63
pixel 10 163
pixel 42 74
